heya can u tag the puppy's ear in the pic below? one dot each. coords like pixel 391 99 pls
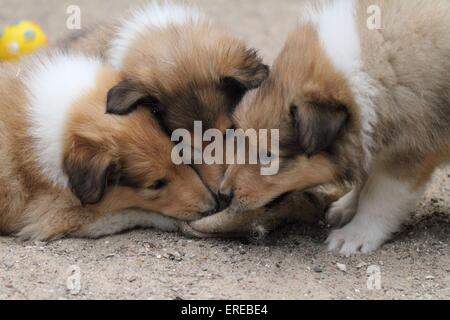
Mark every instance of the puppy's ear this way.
pixel 252 71
pixel 125 97
pixel 318 124
pixel 88 169
pixel 249 74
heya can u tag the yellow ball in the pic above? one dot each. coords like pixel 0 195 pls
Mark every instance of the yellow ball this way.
pixel 21 38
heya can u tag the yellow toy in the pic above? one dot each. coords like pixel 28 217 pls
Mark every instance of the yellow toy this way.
pixel 21 38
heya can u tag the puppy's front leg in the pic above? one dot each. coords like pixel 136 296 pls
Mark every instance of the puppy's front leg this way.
pixel 109 224
pixel 383 205
pixel 300 206
pixel 83 223
pixel 47 221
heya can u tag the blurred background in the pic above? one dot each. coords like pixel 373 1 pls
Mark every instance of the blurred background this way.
pixel 264 24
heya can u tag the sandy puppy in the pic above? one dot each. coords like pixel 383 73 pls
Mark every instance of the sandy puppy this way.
pixel 67 168
pixel 355 104
pixel 173 60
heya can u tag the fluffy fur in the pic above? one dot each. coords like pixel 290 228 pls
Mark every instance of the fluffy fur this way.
pixel 153 16
pixel 48 111
pixel 355 105
pixel 67 168
pixel 186 69
pixel 338 33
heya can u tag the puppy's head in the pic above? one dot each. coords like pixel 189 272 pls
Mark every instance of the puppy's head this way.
pixel 114 162
pixel 310 103
pixel 184 70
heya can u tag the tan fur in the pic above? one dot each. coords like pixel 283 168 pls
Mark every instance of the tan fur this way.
pixel 318 80
pixel 32 207
pixel 301 206
pixel 184 68
pixel 413 106
pixel 181 78
pixel 409 62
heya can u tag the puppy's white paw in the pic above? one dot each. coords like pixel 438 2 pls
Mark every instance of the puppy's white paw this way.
pixel 356 238
pixel 343 210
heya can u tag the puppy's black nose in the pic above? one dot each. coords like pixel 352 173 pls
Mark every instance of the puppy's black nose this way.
pixel 225 200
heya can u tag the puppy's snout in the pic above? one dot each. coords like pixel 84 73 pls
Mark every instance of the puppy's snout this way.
pixel 225 198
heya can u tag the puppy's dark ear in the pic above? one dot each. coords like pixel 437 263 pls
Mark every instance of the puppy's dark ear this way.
pixel 249 74
pixel 318 124
pixel 252 72
pixel 234 89
pixel 125 97
pixel 88 170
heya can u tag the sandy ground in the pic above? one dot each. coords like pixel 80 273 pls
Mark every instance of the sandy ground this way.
pixel 291 263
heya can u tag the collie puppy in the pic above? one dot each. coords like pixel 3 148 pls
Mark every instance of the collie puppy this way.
pixel 355 104
pixel 69 169
pixel 174 61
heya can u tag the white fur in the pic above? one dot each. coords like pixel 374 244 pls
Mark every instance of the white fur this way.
pixel 126 220
pixel 151 16
pixel 383 204
pixel 53 84
pixel 339 36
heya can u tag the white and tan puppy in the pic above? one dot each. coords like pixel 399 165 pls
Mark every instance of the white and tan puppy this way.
pixel 175 61
pixel 355 104
pixel 67 168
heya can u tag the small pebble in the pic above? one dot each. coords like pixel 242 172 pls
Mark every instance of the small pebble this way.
pixel 317 269
pixel 341 267
pixel 9 263
pixel 361 265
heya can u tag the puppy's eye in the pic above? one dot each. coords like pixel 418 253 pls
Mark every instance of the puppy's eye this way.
pixel 159 184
